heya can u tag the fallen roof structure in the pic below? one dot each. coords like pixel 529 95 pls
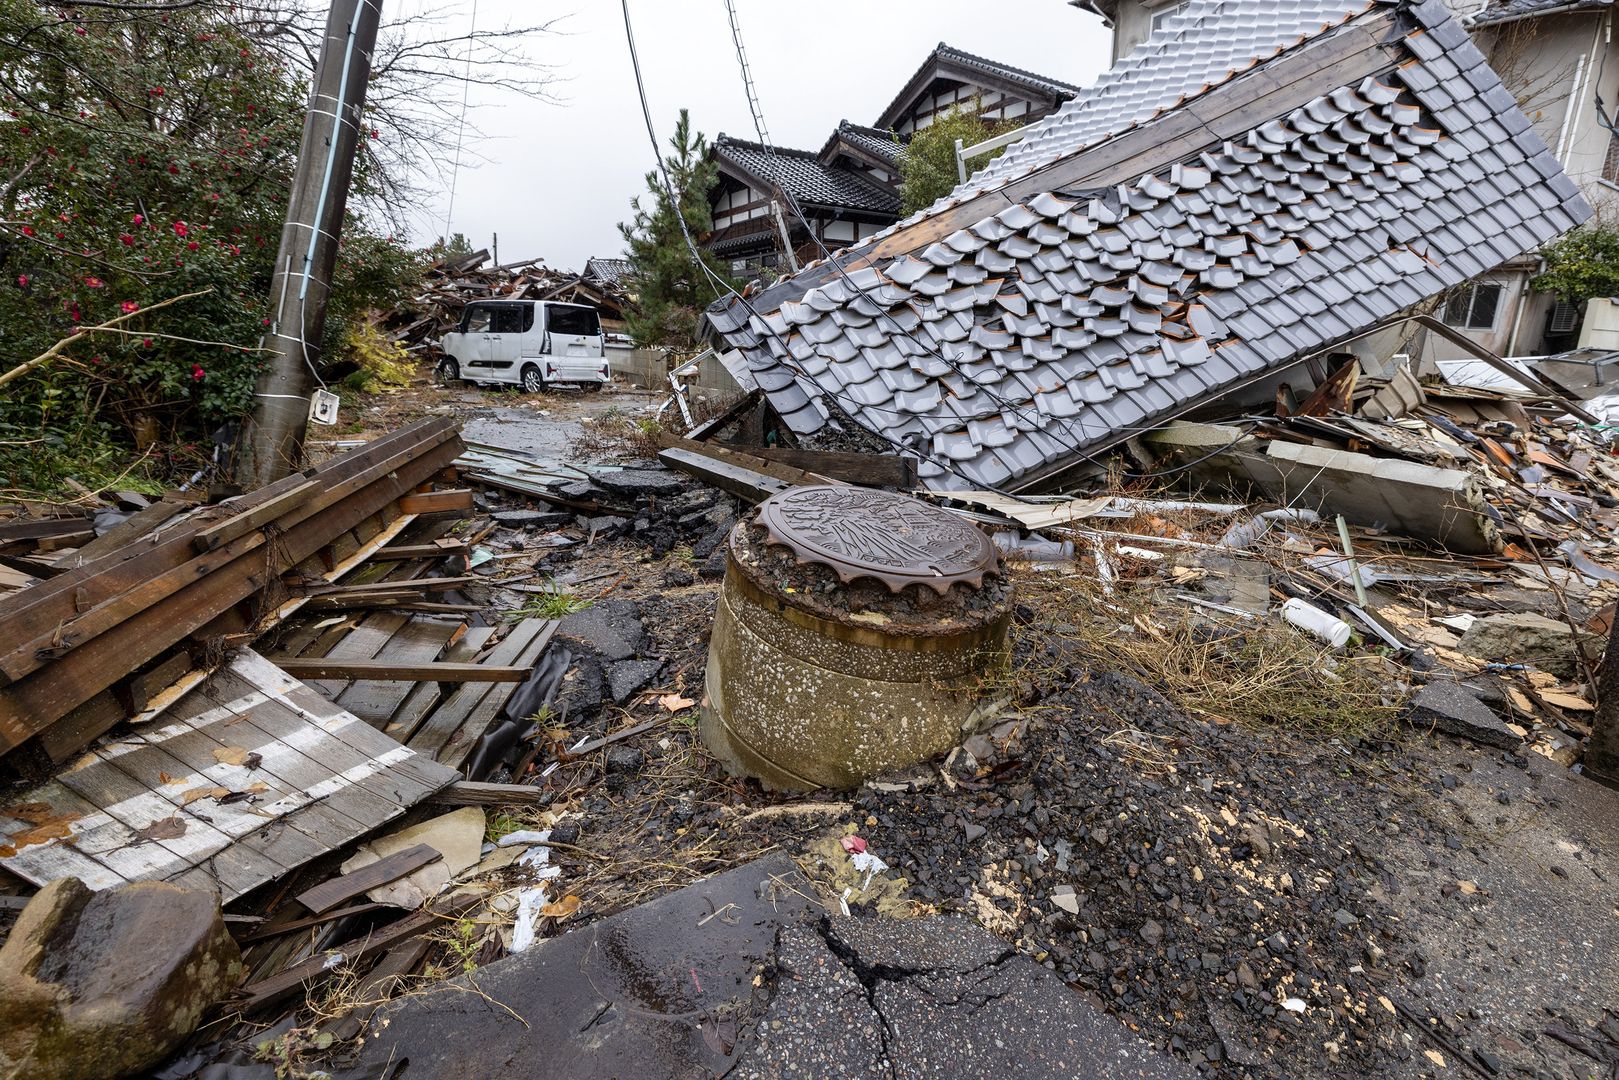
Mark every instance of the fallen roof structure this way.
pixel 1257 183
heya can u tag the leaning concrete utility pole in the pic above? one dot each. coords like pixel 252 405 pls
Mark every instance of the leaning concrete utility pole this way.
pixel 272 445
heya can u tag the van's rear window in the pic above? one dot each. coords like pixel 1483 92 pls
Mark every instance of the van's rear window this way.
pixel 574 320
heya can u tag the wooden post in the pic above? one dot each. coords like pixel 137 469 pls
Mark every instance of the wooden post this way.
pixel 1602 752
pixel 272 445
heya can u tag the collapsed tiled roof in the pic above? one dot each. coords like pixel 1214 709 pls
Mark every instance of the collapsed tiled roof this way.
pixel 878 143
pixel 1500 11
pixel 1104 286
pixel 948 57
pixel 801 174
pixel 608 271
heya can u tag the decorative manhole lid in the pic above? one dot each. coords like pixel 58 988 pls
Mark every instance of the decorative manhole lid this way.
pixel 894 538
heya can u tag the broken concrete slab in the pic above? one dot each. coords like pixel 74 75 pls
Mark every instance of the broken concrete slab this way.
pixel 767 989
pixel 641 483
pixel 1443 505
pixel 106 984
pixel 625 677
pixel 1446 506
pixel 1528 638
pixel 923 998
pixel 532 519
pixel 661 990
pixel 1456 710
pixel 610 628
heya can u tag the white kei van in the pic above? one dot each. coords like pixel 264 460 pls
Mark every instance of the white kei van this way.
pixel 532 343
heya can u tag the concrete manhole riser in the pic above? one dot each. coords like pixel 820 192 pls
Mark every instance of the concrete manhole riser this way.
pixel 803 693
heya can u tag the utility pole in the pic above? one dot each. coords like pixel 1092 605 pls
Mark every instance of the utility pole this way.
pixel 272 445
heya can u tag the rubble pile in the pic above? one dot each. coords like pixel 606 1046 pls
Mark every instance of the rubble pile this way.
pixel 451 284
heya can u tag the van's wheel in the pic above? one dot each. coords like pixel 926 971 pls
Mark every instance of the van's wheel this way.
pixel 448 371
pixel 532 383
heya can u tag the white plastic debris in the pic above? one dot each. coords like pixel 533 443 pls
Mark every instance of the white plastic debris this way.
pixel 525 836
pixel 1294 1005
pixel 1328 628
pixel 870 865
pixel 529 903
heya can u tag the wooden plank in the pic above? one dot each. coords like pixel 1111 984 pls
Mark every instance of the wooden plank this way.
pixel 31 611
pixel 703 431
pixel 279 987
pixel 363 642
pixel 29 706
pixel 459 746
pixel 295 925
pixel 324 668
pixel 132 528
pixel 45 528
pixel 418 641
pixel 449 718
pixel 744 483
pixel 424 697
pixel 868 470
pixel 338 890
pixel 437 502
pixel 396 552
pixel 473 793
pixel 215 536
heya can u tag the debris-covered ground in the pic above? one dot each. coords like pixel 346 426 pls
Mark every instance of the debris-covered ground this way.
pixel 1265 869
pixel 1241 843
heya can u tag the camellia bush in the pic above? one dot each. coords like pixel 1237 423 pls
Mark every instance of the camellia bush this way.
pixel 145 155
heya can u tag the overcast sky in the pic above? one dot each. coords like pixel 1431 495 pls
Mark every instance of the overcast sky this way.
pixel 557 179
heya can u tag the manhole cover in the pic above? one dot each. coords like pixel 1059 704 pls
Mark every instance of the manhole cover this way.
pixel 880 534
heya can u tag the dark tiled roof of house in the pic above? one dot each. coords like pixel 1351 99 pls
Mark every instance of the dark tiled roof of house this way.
pixel 607 271
pixel 1499 11
pixel 1170 237
pixel 879 143
pixel 801 174
pixel 1037 85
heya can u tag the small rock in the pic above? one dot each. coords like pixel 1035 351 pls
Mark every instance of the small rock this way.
pixel 678 578
pixel 1344 918
pixel 1063 897
pixel 1453 709
pixel 972 830
pixel 624 759
pixel 1152 932
pixel 1524 637
pixel 106 984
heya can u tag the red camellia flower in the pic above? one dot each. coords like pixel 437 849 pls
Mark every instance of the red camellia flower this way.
pixel 180 228
pixel 28 230
pixel 146 343
pixel 192 246
pixel 136 219
pixel 94 282
pixel 197 373
pixel 127 239
pixel 129 307
pixel 22 283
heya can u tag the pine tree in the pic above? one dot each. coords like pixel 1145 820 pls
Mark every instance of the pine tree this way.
pixel 670 289
pixel 927 164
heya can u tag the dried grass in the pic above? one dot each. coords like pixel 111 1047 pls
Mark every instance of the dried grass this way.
pixel 1227 670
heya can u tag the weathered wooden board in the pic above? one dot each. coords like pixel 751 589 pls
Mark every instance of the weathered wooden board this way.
pixel 250 775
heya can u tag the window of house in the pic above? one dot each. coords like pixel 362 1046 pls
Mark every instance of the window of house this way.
pixel 574 320
pixel 1610 165
pixel 1474 306
pixel 1159 18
